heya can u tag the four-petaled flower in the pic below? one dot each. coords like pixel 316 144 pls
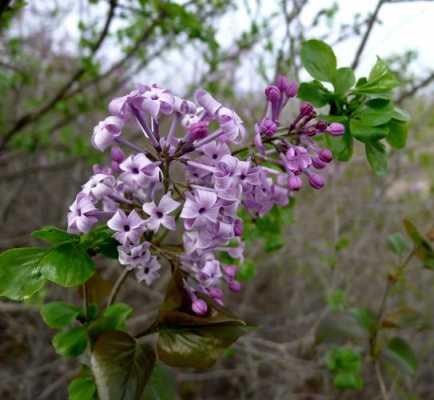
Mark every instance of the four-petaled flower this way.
pixel 200 208
pixel 159 215
pixel 129 228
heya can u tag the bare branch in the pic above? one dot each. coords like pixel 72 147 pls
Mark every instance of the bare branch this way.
pixel 367 33
pixel 37 114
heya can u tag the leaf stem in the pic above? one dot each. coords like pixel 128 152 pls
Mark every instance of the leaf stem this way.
pixel 117 287
pixel 85 301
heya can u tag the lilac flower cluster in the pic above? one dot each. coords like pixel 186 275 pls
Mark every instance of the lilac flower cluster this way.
pixel 191 175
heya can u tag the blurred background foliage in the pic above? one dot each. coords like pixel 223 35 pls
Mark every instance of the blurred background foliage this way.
pixel 60 64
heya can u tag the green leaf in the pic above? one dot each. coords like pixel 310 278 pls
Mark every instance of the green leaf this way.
pixel 121 366
pixel 247 271
pixel 400 115
pixel 54 235
pixel 119 312
pixel 348 381
pixel 161 385
pixel 188 340
pixel 346 364
pixel 398 244
pixel 423 249
pixel 71 343
pixel 397 136
pixel 380 82
pixel 373 115
pixel 82 389
pixel 344 80
pixel 58 314
pixel 365 318
pixel 319 60
pixel 314 92
pixel 377 157
pixel 20 272
pixel 365 133
pixel 400 354
pixel 337 299
pixel 67 265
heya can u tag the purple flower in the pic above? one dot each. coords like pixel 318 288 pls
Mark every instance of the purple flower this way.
pixel 201 208
pixel 209 103
pixel 232 126
pixel 133 255
pixel 159 215
pixel 99 186
pixel 148 270
pixel 297 159
pixel 105 133
pixel 156 99
pixel 325 155
pixel 215 150
pixel 80 216
pixel 121 106
pixel 210 274
pixel 128 229
pixel 139 170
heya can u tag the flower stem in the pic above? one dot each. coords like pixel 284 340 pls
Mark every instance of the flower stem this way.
pixel 116 287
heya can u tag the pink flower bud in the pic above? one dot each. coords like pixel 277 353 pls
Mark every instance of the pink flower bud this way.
pixel 290 88
pixel 318 163
pixel 198 130
pixel 216 293
pixel 295 182
pixel 117 154
pixel 306 110
pixel 316 181
pixel 336 129
pixel 273 94
pixel 321 125
pixel 238 227
pixel 325 155
pixel 230 270
pixel 268 127
pixel 235 286
pixel 199 307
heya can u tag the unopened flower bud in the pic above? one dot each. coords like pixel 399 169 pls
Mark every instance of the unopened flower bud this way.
pixel 306 110
pixel 268 127
pixel 295 182
pixel 216 293
pixel 238 227
pixel 321 125
pixel 316 181
pixel 290 88
pixel 235 286
pixel 199 307
pixel 230 270
pixel 318 163
pixel 325 155
pixel 198 130
pixel 336 129
pixel 273 94
pixel 208 102
pixel 117 154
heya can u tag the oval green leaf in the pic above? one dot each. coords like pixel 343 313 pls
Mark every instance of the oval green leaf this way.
pixel 319 60
pixel 20 272
pixel 58 314
pixel 71 343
